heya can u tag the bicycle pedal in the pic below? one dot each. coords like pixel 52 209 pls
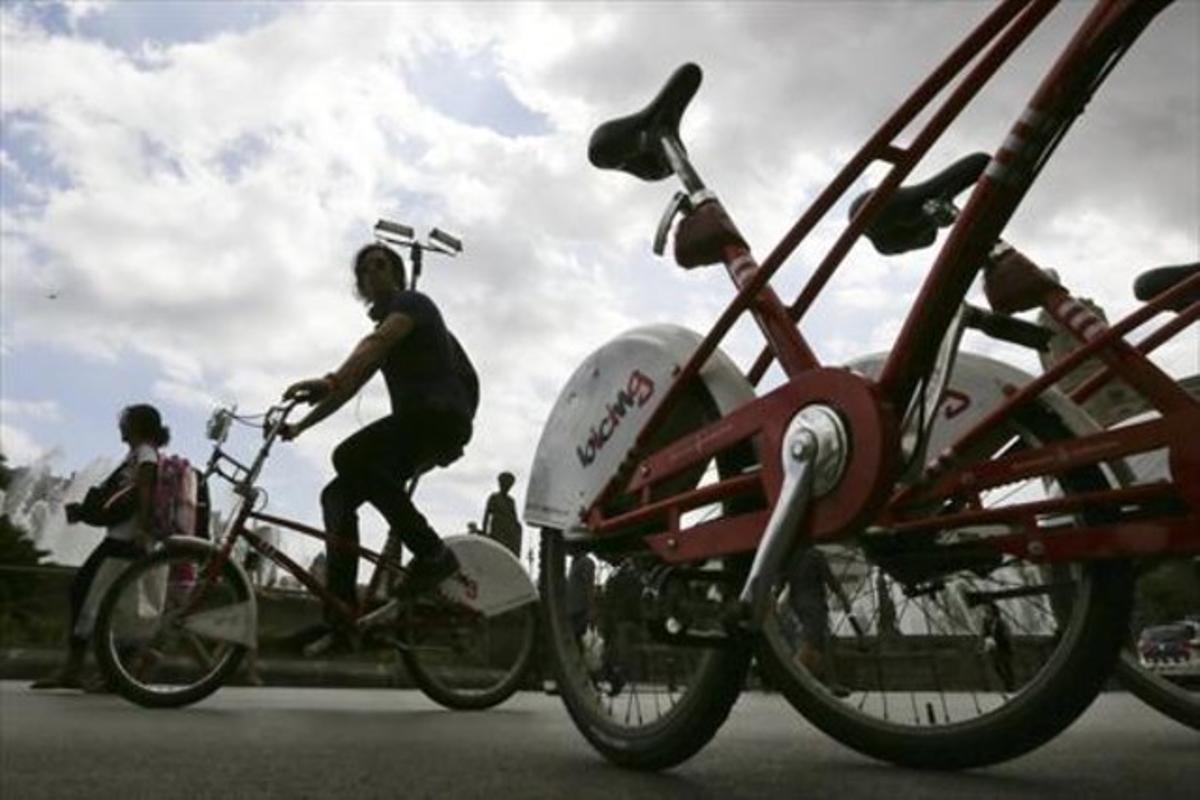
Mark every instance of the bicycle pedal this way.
pixel 332 644
pixel 319 647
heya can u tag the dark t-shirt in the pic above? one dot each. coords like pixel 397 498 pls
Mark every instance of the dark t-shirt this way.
pixel 421 371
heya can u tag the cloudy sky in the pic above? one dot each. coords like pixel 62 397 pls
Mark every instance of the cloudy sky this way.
pixel 184 182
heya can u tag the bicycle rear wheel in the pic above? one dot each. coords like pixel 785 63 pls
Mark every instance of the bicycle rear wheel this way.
pixel 952 665
pixel 465 660
pixel 173 628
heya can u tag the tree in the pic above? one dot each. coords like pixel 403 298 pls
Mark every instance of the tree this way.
pixel 17 550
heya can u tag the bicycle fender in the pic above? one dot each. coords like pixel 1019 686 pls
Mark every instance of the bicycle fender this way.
pixel 490 579
pixel 977 386
pixel 600 411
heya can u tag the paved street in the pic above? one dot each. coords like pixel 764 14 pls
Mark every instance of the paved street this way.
pixel 358 743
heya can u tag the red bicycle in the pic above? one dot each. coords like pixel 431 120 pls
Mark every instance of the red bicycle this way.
pixel 964 499
pixel 176 623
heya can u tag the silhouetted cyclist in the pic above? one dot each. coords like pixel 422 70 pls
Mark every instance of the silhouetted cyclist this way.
pixel 434 393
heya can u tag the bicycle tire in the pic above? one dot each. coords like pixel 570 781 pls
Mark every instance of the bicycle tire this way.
pixel 717 676
pixel 1162 695
pixel 713 690
pixel 1158 692
pixel 111 629
pixel 1081 663
pixel 469 695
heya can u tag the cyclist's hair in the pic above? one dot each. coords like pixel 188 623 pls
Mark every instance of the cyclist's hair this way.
pixel 391 255
pixel 145 420
pixel 506 478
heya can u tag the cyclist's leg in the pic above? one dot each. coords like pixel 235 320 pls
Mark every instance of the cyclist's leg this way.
pixel 355 461
pixel 339 506
pixel 372 465
pixel 404 444
pixel 67 675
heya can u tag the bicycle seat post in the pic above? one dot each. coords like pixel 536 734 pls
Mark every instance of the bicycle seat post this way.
pixel 682 166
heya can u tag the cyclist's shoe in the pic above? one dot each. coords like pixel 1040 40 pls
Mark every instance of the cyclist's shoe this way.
pixel 97 684
pixel 64 678
pixel 337 642
pixel 427 573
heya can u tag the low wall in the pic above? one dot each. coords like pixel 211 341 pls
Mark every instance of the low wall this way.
pixel 31 639
pixel 32 633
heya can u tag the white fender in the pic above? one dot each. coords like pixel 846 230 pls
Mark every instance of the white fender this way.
pixel 601 409
pixel 977 387
pixel 490 579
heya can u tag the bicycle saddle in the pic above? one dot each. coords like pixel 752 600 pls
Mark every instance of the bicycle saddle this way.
pixel 902 224
pixel 633 144
pixel 1154 282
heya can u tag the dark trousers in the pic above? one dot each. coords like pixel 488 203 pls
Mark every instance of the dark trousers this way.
pixel 372 466
pixel 81 584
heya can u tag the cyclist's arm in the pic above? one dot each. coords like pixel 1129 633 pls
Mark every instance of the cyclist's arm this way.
pixel 358 368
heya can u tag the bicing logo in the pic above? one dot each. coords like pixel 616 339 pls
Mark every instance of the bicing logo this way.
pixel 636 392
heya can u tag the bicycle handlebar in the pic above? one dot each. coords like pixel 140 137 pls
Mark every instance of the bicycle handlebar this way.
pixel 273 421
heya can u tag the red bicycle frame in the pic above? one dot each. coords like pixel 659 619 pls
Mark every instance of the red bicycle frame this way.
pixel 1144 519
pixel 238 530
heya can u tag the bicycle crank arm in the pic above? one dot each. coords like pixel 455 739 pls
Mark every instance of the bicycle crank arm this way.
pixel 814 454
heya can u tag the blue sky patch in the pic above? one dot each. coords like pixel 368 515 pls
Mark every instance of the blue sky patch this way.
pixel 240 154
pixel 21 141
pixel 127 26
pixel 470 90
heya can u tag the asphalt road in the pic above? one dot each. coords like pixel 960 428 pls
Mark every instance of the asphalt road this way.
pixel 365 743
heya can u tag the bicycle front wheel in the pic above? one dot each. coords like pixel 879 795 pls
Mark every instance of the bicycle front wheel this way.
pixel 643 696
pixel 464 660
pixel 174 627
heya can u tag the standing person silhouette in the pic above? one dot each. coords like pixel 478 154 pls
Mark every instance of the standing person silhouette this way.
pixel 500 515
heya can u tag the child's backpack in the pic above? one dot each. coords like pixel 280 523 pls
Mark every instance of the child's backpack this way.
pixel 178 506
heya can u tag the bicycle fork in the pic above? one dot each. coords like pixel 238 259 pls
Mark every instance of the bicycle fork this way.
pixel 813 456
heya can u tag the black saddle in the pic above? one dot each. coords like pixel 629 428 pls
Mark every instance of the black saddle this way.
pixel 633 144
pixel 1154 282
pixel 902 224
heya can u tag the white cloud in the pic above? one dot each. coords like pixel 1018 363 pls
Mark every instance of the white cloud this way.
pixel 19 448
pixel 46 410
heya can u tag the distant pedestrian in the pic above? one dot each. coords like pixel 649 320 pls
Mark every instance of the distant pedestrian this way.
pixel 500 516
pixel 123 504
